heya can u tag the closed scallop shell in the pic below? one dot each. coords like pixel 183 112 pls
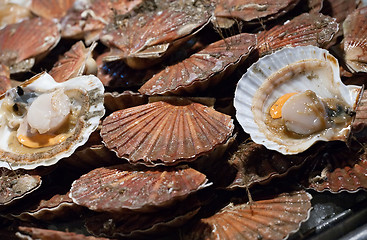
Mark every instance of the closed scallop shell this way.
pixel 85 94
pixel 271 219
pixel 286 71
pixel 165 133
pixel 355 40
pixel 201 69
pixel 21 43
pixel 51 9
pixel 305 29
pixel 125 187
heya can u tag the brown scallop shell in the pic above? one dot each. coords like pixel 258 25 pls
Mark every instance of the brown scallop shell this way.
pixel 75 62
pixel 250 10
pixel 165 132
pixel 51 9
pixel 15 185
pixel 22 42
pixel 126 187
pixel 339 9
pixel 202 69
pixel 114 101
pixel 268 219
pixel 305 29
pixel 355 40
pixel 144 38
pixel 5 83
pixel 39 233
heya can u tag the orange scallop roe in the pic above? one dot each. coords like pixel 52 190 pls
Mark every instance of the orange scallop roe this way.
pixel 276 109
pixel 41 140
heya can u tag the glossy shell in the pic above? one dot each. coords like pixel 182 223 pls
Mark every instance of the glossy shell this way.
pixel 165 132
pixel 85 94
pixel 291 70
pixel 125 187
pixel 201 69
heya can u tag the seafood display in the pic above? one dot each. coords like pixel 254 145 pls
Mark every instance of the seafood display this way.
pixel 197 119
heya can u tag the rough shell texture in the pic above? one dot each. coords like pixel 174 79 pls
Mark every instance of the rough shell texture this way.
pixel 51 9
pixel 355 40
pixel 165 132
pixel 20 43
pixel 125 187
pixel 305 29
pixel 273 76
pixel 203 68
pixel 273 218
pixel 75 62
pixel 86 95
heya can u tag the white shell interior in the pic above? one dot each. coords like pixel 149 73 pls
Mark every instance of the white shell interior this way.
pixel 296 70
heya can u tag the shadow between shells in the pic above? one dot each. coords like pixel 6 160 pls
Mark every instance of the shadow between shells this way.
pixel 168 119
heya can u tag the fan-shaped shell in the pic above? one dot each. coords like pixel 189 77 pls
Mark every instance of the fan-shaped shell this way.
pixel 203 68
pixel 305 29
pixel 125 187
pixel 51 9
pixel 85 94
pixel 165 132
pixel 75 62
pixel 292 70
pixel 355 40
pixel 272 218
pixel 21 42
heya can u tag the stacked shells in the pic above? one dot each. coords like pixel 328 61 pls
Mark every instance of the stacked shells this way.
pixel 142 119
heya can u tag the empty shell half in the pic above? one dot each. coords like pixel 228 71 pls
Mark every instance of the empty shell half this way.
pixel 294 97
pixel 43 121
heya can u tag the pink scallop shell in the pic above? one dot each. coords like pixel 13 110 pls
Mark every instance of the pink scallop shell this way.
pixel 125 187
pixel 269 219
pixel 165 132
pixel 305 29
pixel 24 41
pixel 51 9
pixel 204 68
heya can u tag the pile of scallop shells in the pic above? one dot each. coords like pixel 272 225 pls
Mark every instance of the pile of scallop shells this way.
pixel 196 119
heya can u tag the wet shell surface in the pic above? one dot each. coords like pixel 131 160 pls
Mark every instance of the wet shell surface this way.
pixel 165 133
pixel 271 219
pixel 303 80
pixel 201 69
pixel 21 43
pixel 355 40
pixel 126 187
pixel 71 111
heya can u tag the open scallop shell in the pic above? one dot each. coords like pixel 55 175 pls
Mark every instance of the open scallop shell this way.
pixel 203 68
pixel 21 43
pixel 165 132
pixel 355 40
pixel 286 71
pixel 126 187
pixel 85 94
pixel 270 219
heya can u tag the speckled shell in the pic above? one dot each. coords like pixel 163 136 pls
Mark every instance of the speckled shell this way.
pixel 203 68
pixel 355 40
pixel 51 9
pixel 165 132
pixel 88 99
pixel 269 219
pixel 297 70
pixel 151 34
pixel 305 29
pixel 125 187
pixel 75 62
pixel 22 42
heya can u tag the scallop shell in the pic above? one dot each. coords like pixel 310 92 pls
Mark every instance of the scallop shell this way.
pixel 86 96
pixel 75 62
pixel 339 9
pixel 355 40
pixel 203 68
pixel 305 29
pixel 51 9
pixel 272 218
pixel 165 132
pixel 117 101
pixel 22 42
pixel 11 13
pixel 285 71
pixel 125 187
